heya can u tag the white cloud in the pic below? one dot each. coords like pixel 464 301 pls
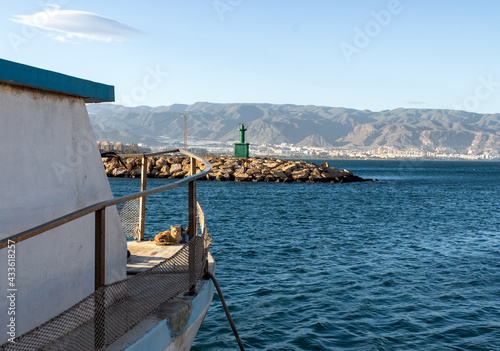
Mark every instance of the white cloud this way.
pixel 61 38
pixel 77 25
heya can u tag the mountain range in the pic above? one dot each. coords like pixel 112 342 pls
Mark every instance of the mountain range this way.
pixel 317 126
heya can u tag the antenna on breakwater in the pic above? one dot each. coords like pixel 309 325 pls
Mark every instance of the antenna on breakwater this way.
pixel 185 131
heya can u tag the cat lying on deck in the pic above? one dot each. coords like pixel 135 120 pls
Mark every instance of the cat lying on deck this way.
pixel 169 237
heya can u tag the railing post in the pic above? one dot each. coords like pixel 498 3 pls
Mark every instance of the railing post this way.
pixel 99 277
pixel 100 248
pixel 192 229
pixel 142 203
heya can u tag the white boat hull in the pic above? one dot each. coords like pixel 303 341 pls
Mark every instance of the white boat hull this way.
pixel 173 327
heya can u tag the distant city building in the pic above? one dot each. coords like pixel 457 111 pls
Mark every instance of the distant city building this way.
pixel 118 147
pixel 288 150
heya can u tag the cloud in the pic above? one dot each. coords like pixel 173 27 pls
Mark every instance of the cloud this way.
pixel 415 102
pixel 77 25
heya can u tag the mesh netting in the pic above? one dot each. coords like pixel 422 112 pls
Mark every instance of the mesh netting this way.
pixel 129 216
pixel 101 318
pixel 203 228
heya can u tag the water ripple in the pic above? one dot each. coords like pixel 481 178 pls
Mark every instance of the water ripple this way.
pixel 409 263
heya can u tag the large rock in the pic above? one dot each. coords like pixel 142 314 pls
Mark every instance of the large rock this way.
pixel 270 164
pixel 242 177
pixel 259 177
pixel 228 166
pixel 130 162
pixel 114 164
pixel 165 170
pixel 270 178
pixel 316 177
pixel 176 167
pixel 174 160
pixel 150 164
pixel 136 172
pixel 252 171
pixel 119 172
pixel 186 167
pixel 288 168
pixel 178 174
pixel 334 173
pixel 280 175
pixel 216 165
pixel 300 175
pixel 200 165
pixel 162 161
pixel 210 176
pixel 223 176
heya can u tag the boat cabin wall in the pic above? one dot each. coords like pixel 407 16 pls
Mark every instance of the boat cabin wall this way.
pixel 51 166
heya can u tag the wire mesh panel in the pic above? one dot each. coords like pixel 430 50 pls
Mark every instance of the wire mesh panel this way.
pixel 112 310
pixel 100 319
pixel 204 232
pixel 129 216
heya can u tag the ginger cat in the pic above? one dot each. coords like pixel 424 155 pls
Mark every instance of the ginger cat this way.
pixel 169 237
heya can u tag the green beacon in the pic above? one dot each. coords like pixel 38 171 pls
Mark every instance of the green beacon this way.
pixel 241 148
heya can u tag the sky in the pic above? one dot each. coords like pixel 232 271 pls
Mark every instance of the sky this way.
pixel 371 54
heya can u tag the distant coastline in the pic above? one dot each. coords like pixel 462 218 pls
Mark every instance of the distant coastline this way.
pixel 295 131
pixel 274 151
pixel 445 159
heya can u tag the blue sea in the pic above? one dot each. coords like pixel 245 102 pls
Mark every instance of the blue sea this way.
pixel 409 262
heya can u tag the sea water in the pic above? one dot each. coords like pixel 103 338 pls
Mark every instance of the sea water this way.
pixel 409 262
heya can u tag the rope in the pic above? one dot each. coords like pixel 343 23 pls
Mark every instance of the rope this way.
pixel 228 315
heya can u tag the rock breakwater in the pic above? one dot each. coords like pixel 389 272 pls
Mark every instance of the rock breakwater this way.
pixel 231 169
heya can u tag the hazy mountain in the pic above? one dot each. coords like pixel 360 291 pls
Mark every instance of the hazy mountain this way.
pixel 302 125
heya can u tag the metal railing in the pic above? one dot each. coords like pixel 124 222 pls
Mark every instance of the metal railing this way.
pixel 194 253
pixel 99 210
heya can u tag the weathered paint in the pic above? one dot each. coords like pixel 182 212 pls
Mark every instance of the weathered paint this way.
pixel 19 74
pixel 51 166
pixel 177 332
pixel 185 340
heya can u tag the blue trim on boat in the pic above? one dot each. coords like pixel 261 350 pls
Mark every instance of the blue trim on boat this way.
pixel 201 301
pixel 158 338
pixel 19 74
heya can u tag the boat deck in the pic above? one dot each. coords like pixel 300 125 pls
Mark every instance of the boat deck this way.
pixel 173 326
pixel 145 254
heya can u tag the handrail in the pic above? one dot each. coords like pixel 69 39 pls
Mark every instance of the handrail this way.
pixel 152 153
pixel 42 228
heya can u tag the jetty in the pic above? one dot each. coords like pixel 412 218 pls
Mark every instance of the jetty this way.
pixel 229 169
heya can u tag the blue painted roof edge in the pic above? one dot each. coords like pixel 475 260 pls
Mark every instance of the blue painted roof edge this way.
pixel 19 74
